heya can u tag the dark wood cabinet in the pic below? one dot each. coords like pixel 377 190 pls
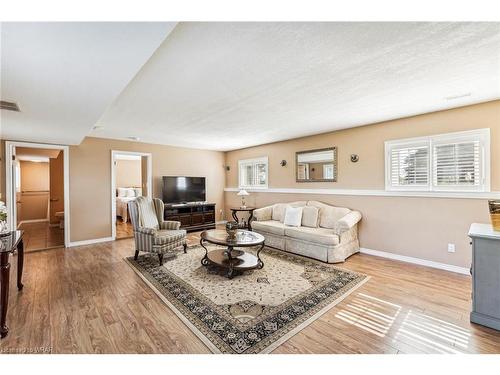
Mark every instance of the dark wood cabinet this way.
pixel 193 216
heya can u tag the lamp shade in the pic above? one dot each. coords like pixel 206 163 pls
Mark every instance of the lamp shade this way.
pixel 243 192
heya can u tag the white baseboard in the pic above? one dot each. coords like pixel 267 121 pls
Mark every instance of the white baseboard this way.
pixel 32 221
pixel 90 242
pixel 221 222
pixel 422 262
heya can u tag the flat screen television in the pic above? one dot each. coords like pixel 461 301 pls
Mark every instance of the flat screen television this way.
pixel 181 189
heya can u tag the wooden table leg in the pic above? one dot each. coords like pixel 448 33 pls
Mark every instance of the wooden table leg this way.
pixel 20 264
pixel 4 292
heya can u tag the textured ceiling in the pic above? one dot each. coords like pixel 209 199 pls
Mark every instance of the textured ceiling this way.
pixel 224 86
pixel 64 75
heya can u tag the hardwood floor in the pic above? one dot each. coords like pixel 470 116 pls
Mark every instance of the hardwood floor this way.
pixel 88 300
pixel 124 229
pixel 41 236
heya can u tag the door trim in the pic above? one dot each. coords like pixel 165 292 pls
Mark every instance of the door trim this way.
pixel 113 182
pixel 9 186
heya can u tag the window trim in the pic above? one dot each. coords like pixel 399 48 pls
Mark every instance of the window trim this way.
pixel 481 135
pixel 262 159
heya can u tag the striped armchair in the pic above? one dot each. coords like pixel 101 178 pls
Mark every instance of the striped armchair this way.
pixel 152 234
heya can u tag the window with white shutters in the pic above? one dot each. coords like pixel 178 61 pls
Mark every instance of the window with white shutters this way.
pixel 457 164
pixel 253 173
pixel 447 162
pixel 409 166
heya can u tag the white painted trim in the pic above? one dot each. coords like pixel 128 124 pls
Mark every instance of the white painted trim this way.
pixel 114 153
pixel 221 222
pixel 422 262
pixel 377 193
pixel 32 221
pixel 10 198
pixel 90 242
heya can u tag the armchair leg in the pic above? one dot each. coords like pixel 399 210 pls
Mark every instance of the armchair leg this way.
pixel 160 257
pixel 185 248
pixel 136 254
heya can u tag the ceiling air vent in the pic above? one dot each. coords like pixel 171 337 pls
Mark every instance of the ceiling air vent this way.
pixel 9 106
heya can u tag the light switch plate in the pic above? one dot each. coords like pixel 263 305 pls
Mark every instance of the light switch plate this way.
pixel 451 247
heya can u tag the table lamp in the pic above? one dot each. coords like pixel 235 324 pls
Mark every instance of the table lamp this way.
pixel 243 193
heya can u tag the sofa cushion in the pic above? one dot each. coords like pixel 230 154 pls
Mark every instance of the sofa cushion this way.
pixel 279 211
pixel 316 235
pixel 310 216
pixel 329 215
pixel 166 236
pixel 293 216
pixel 269 226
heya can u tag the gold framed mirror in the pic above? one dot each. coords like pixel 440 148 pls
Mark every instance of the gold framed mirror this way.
pixel 318 165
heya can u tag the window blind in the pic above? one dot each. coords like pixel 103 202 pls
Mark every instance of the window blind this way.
pixel 253 173
pixel 409 166
pixel 457 164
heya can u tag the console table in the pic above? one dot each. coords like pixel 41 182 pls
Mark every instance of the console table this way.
pixel 192 216
pixel 9 244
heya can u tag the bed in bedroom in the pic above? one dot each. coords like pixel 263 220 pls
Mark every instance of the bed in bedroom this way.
pixel 123 196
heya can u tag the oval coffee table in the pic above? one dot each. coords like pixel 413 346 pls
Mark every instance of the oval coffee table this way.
pixel 234 261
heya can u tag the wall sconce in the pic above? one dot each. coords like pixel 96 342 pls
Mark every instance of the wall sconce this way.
pixel 354 158
pixel 283 163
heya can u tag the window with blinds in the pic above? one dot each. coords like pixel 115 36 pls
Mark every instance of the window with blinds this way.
pixel 447 162
pixel 409 166
pixel 253 173
pixel 457 164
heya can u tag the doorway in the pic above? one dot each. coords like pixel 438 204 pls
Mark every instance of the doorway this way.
pixel 37 194
pixel 131 178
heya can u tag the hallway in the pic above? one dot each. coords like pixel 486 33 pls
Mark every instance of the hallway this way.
pixel 41 236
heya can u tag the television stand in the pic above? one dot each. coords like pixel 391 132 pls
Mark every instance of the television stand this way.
pixel 193 216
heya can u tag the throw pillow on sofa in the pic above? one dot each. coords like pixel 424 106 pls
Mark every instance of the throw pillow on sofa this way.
pixel 293 216
pixel 279 211
pixel 310 217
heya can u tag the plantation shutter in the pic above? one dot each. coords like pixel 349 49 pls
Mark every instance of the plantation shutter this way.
pixel 253 173
pixel 409 166
pixel 457 164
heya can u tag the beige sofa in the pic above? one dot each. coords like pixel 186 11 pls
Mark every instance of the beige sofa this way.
pixel 331 238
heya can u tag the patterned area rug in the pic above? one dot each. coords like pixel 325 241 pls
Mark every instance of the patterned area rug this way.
pixel 254 312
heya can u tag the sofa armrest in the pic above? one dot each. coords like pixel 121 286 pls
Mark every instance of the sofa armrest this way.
pixel 169 224
pixel 145 230
pixel 263 214
pixel 347 222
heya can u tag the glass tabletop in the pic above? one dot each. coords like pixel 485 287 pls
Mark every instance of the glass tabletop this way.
pixel 9 242
pixel 242 238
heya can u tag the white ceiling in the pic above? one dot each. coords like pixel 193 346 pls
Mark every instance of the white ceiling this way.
pixel 225 86
pixel 64 75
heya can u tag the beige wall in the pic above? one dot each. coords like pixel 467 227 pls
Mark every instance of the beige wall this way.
pixel 128 173
pixel 417 227
pixel 90 179
pixel 34 190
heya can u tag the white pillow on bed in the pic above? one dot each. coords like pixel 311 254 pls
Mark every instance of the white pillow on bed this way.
pixel 138 192
pixel 130 193
pixel 122 192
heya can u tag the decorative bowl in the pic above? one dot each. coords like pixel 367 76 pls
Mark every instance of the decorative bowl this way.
pixel 231 229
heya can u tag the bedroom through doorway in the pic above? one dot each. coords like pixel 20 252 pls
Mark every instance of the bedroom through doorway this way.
pixel 131 178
